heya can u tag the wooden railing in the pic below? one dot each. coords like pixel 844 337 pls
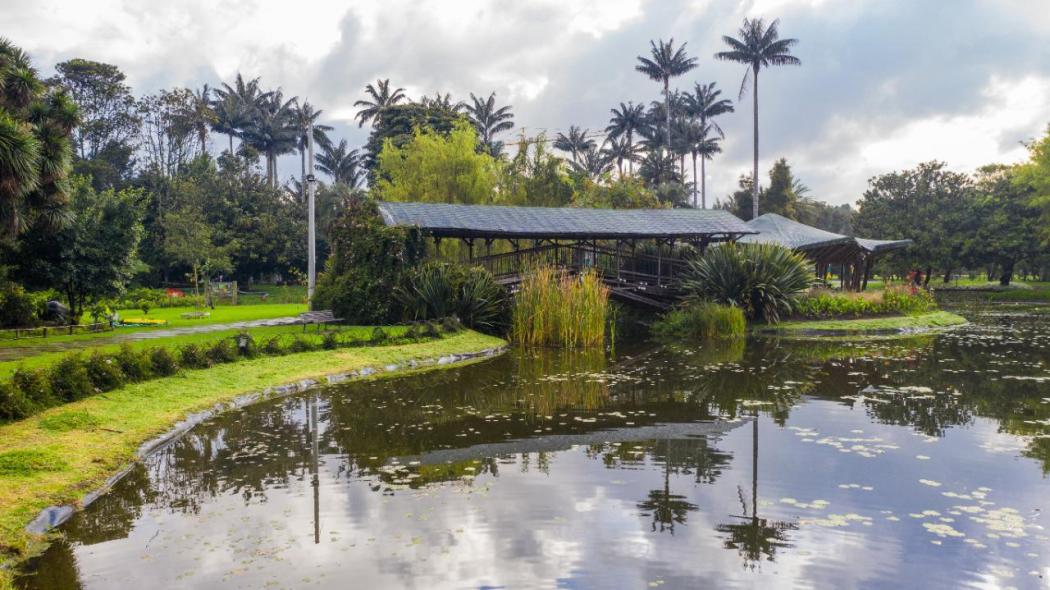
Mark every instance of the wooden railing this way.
pixel 618 266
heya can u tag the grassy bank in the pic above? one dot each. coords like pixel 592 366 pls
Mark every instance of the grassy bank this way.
pixel 59 455
pixel 935 319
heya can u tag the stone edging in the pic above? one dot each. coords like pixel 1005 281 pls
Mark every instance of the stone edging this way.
pixel 54 516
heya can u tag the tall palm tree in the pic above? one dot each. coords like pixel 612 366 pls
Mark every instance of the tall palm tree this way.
pixel 620 150
pixel 703 143
pixel 593 162
pixel 441 102
pixel 704 104
pixel 341 163
pixel 273 131
pixel 235 106
pixel 666 63
pixel 576 142
pixel 625 121
pixel 758 46
pixel 200 115
pixel 305 115
pixel 489 120
pixel 381 98
pixel 229 118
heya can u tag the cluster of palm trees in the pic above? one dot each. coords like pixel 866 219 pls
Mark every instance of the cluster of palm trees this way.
pixel 487 118
pixel 683 124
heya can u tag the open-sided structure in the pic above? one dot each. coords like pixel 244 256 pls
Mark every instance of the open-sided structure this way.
pixel 625 246
pixel 854 256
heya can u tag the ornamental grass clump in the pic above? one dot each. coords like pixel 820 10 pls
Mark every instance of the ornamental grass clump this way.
pixel 700 321
pixel 552 308
pixel 764 280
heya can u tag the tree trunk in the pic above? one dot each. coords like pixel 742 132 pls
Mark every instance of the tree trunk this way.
pixel 231 144
pixel 630 148
pixel 703 184
pixel 1007 274
pixel 947 276
pixel 694 181
pixel 754 176
pixel 667 110
pixel 926 279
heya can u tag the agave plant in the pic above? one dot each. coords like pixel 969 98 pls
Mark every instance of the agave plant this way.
pixel 440 290
pixel 762 279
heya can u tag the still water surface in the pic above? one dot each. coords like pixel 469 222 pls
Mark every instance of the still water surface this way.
pixel 887 464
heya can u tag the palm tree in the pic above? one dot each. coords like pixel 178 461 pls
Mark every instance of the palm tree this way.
pixel 200 115
pixel 666 63
pixel 703 143
pixel 235 106
pixel 341 163
pixel 620 150
pixel 229 118
pixel 441 102
pixel 381 98
pixel 758 46
pixel 594 163
pixel 489 120
pixel 705 104
pixel 576 142
pixel 35 149
pixel 305 116
pixel 623 123
pixel 273 131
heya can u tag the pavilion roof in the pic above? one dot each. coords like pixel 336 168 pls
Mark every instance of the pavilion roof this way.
pixel 497 221
pixel 818 244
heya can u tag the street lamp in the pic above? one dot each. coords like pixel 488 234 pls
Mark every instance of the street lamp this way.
pixel 311 184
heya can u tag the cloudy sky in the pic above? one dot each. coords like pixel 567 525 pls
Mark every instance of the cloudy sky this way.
pixel 884 83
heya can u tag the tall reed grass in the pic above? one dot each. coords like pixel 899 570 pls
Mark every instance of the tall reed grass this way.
pixel 701 320
pixel 556 309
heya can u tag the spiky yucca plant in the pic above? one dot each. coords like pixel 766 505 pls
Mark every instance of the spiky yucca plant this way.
pixel 762 279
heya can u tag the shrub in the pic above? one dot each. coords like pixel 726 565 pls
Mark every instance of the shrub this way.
pixel 439 290
pixel 14 403
pixel 481 303
pixel 822 304
pixel 413 333
pixel 135 364
pixel 69 379
pixel 329 341
pixel 431 330
pixel 764 280
pixel 145 305
pixel 194 356
pixel 379 335
pixel 451 324
pixel 36 386
pixel 17 307
pixel 222 351
pixel 162 362
pixel 273 347
pixel 300 344
pixel 552 309
pixel 104 372
pixel 246 345
pixel 701 321
pixel 908 300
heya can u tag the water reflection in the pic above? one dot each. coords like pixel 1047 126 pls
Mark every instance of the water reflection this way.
pixel 878 461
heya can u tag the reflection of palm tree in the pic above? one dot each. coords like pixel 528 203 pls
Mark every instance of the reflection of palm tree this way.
pixel 667 508
pixel 755 537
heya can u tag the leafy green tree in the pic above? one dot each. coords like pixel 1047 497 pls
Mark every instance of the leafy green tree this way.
pixel 488 121
pixel 833 218
pixel 437 169
pixel 758 47
pixel 666 62
pixel 380 99
pixel 622 193
pixel 108 112
pixel 94 255
pixel 930 205
pixel 535 176
pixel 169 137
pixel 626 120
pixel 1035 176
pixel 399 124
pixel 1007 222
pixel 780 197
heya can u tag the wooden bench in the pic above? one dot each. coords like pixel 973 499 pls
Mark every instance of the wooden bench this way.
pixel 194 315
pixel 318 317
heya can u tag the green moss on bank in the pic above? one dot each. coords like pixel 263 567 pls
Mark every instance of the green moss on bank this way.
pixel 936 319
pixel 95 437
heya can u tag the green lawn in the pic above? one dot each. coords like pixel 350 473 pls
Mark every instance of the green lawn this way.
pixel 219 315
pixel 260 334
pixel 935 319
pixel 57 456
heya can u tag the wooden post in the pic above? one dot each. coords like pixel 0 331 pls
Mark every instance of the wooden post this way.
pixel 233 288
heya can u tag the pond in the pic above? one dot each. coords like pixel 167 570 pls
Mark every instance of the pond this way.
pixel 878 464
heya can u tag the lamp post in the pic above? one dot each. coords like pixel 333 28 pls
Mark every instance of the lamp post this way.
pixel 311 183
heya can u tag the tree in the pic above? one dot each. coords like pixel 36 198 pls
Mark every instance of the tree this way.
pixel 488 121
pixel 624 123
pixel 1007 222
pixel 1035 176
pixel 273 131
pixel 169 133
pixel 93 256
pixel 705 105
pixel 535 176
pixel 382 98
pixel 341 163
pixel 437 169
pixel 929 205
pixel 758 46
pixel 576 142
pixel 623 193
pixel 35 128
pixel 200 116
pixel 399 124
pixel 236 105
pixel 780 196
pixel 190 241
pixel 593 164
pixel 620 150
pixel 305 116
pixel 107 109
pixel 666 63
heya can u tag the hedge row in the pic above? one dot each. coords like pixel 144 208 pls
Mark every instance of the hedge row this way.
pixel 77 376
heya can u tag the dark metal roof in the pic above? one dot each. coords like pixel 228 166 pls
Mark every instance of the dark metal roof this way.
pixel 494 221
pixel 818 244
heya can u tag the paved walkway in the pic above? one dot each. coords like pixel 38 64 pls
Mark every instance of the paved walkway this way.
pixel 41 345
